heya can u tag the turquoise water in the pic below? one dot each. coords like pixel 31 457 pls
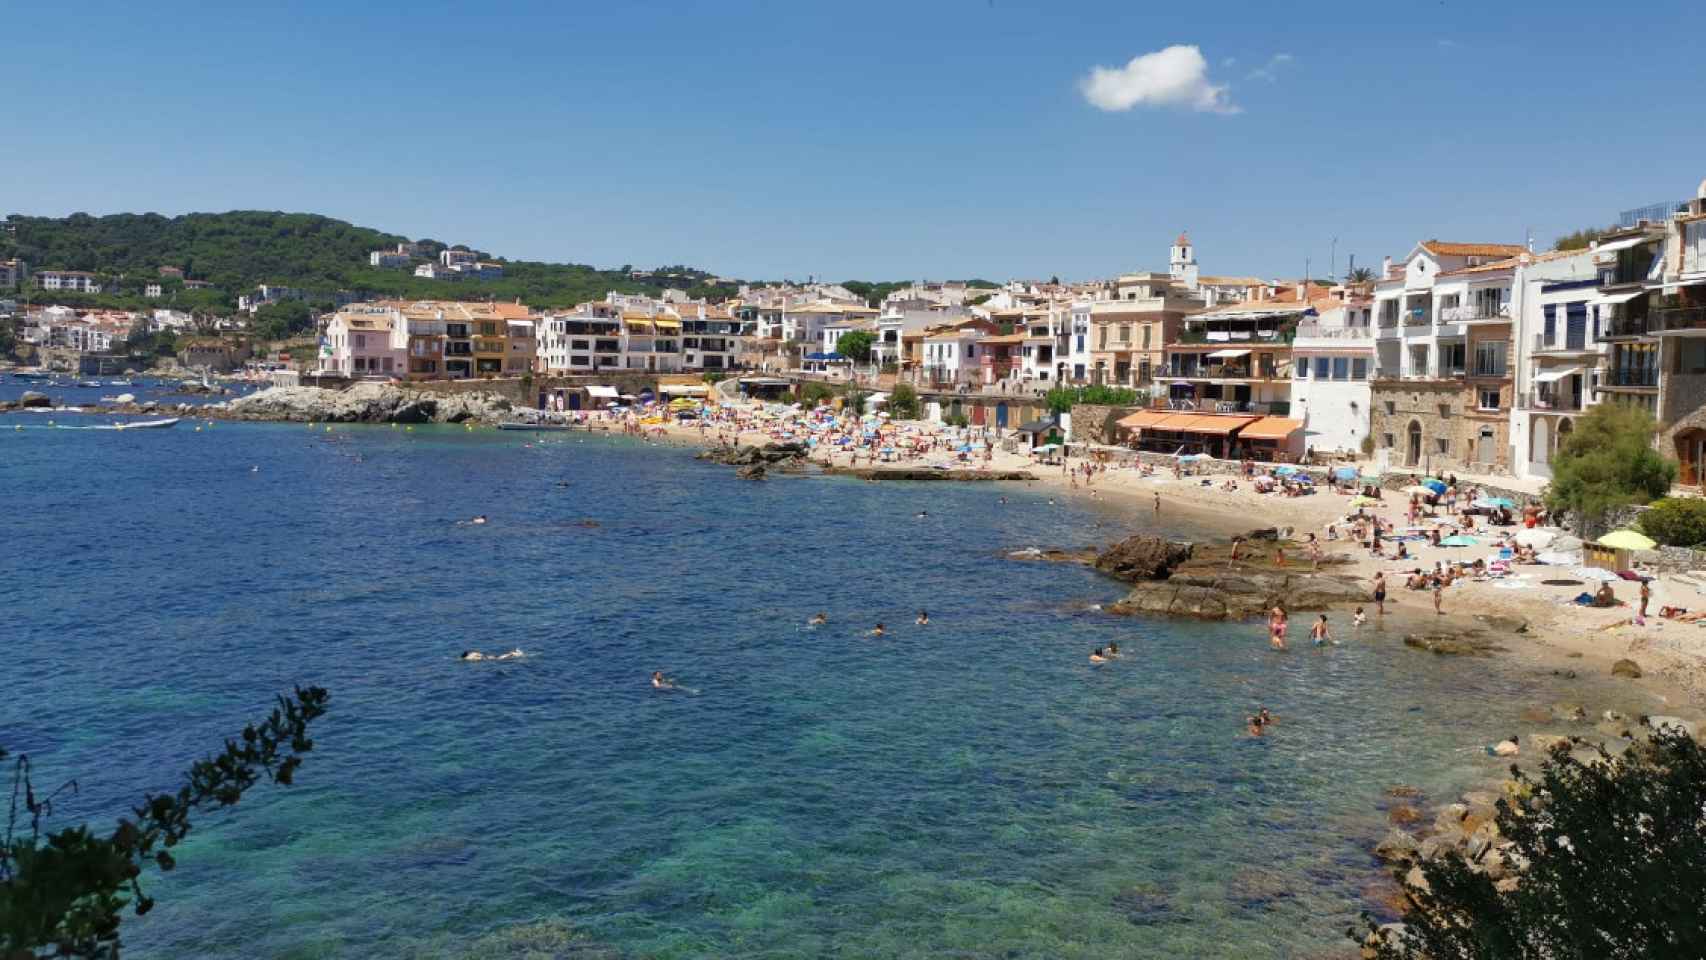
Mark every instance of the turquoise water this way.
pixel 974 788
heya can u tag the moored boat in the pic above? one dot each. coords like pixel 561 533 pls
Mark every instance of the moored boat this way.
pixel 516 425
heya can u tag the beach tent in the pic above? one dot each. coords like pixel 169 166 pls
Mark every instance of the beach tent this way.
pixel 1345 473
pixel 1284 471
pixel 1627 540
pixel 1435 484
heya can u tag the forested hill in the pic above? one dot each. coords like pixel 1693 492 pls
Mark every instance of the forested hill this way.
pixel 235 251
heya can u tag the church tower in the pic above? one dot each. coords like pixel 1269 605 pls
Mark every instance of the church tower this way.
pixel 1182 262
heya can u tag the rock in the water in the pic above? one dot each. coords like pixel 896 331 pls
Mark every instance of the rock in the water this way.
pixel 1537 715
pixel 1395 846
pixel 1403 790
pixel 1626 668
pixel 1546 742
pixel 367 403
pixel 1403 815
pixel 1147 905
pixel 1256 888
pixel 1503 624
pixel 1466 644
pixel 1572 712
pixel 1143 558
pixel 32 398
pixel 1415 880
pixel 754 471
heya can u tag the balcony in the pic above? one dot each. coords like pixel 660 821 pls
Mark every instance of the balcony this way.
pixel 1677 319
pixel 1631 377
pixel 1573 344
pixel 1550 401
pixel 1470 312
pixel 1416 317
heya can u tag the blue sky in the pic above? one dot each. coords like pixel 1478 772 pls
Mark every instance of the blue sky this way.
pixel 869 140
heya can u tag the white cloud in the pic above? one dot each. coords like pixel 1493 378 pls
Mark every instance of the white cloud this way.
pixel 1269 71
pixel 1174 77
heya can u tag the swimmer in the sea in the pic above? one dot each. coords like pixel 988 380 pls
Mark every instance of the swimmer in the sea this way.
pixel 475 655
pixel 818 620
pixel 660 682
pixel 923 619
pixel 1113 650
pixel 479 519
pixel 1096 656
pixel 920 515
pixel 877 631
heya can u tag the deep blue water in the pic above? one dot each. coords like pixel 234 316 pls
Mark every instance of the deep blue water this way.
pixel 974 788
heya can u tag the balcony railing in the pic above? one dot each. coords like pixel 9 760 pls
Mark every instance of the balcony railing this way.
pixel 1632 378
pixel 1315 330
pixel 1678 318
pixel 1416 317
pixel 1578 343
pixel 1475 311
pixel 1562 403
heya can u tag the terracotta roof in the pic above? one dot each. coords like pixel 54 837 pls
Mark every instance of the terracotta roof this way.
pixel 1231 281
pixel 1004 339
pixel 1440 248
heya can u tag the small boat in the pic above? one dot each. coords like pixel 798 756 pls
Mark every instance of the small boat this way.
pixel 120 383
pixel 89 383
pixel 534 426
pixel 147 424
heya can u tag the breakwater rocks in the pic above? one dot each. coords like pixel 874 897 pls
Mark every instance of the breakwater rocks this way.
pixel 364 403
pixel 749 455
pixel 1205 581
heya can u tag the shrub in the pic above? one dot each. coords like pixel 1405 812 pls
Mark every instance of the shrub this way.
pixel 1608 462
pixel 1368 445
pixel 812 394
pixel 903 402
pixel 1676 521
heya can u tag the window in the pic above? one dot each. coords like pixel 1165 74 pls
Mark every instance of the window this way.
pixel 1391 409
pixel 1443 445
pixel 1451 359
pixel 1301 368
pixel 1359 369
pixel 1490 358
pixel 1445 411
pixel 1341 368
pixel 1489 399
pixel 361 341
pixel 1323 367
pixel 1386 439
pixel 1080 347
pixel 1146 336
pixel 1690 355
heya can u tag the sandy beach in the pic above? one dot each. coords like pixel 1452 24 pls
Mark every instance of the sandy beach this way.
pixel 1561 636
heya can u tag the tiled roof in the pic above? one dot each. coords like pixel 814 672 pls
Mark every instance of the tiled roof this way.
pixel 1441 248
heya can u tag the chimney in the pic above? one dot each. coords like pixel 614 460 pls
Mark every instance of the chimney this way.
pixel 1302 292
pixel 1385 268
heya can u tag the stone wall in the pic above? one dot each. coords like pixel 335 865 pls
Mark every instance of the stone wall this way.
pixel 1446 410
pixel 1094 422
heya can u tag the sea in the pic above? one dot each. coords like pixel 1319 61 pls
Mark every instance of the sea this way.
pixel 971 788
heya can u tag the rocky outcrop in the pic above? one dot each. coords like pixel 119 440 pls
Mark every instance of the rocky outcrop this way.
pixel 749 455
pixel 366 403
pixel 1464 643
pixel 1136 559
pixel 752 471
pixel 1237 595
pixel 1626 668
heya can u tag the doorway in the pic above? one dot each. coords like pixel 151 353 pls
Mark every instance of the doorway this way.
pixel 1689 454
pixel 1484 446
pixel 1414 452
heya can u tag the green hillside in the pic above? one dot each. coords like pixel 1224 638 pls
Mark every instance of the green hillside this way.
pixel 238 250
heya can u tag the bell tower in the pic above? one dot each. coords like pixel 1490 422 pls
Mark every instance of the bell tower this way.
pixel 1182 262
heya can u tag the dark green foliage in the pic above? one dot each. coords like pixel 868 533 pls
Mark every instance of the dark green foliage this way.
pixel 978 300
pixel 1676 521
pixel 1614 852
pixel 282 320
pixel 1580 239
pixel 239 250
pixel 62 894
pixel 1361 275
pixel 874 293
pixel 1062 399
pixel 903 402
pixel 856 344
pixel 1608 462
pixel 814 393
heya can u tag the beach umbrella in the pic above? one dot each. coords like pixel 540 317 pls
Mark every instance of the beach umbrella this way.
pixel 1537 538
pixel 1194 457
pixel 1555 558
pixel 1595 573
pixel 1344 473
pixel 965 448
pixel 1495 503
pixel 1420 489
pixel 1285 471
pixel 1627 540
pixel 1434 484
pixel 1458 541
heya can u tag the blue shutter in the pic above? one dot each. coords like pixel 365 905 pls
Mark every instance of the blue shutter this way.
pixel 1551 313
pixel 1576 325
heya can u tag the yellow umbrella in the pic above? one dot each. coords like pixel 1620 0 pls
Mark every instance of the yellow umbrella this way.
pixel 1627 540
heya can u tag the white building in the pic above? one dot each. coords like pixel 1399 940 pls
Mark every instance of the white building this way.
pixel 1332 361
pixel 585 341
pixel 1044 353
pixel 74 281
pixel 951 357
pixel 1078 340
pixel 387 258
pixel 1559 345
pixel 152 289
pixel 450 258
pixel 434 271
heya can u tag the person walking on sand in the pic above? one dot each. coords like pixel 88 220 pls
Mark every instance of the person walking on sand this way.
pixel 1158 503
pixel 1439 588
pixel 1314 554
pixel 1380 592
pixel 1646 594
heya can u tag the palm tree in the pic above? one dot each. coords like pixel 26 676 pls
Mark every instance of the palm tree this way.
pixel 1361 275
